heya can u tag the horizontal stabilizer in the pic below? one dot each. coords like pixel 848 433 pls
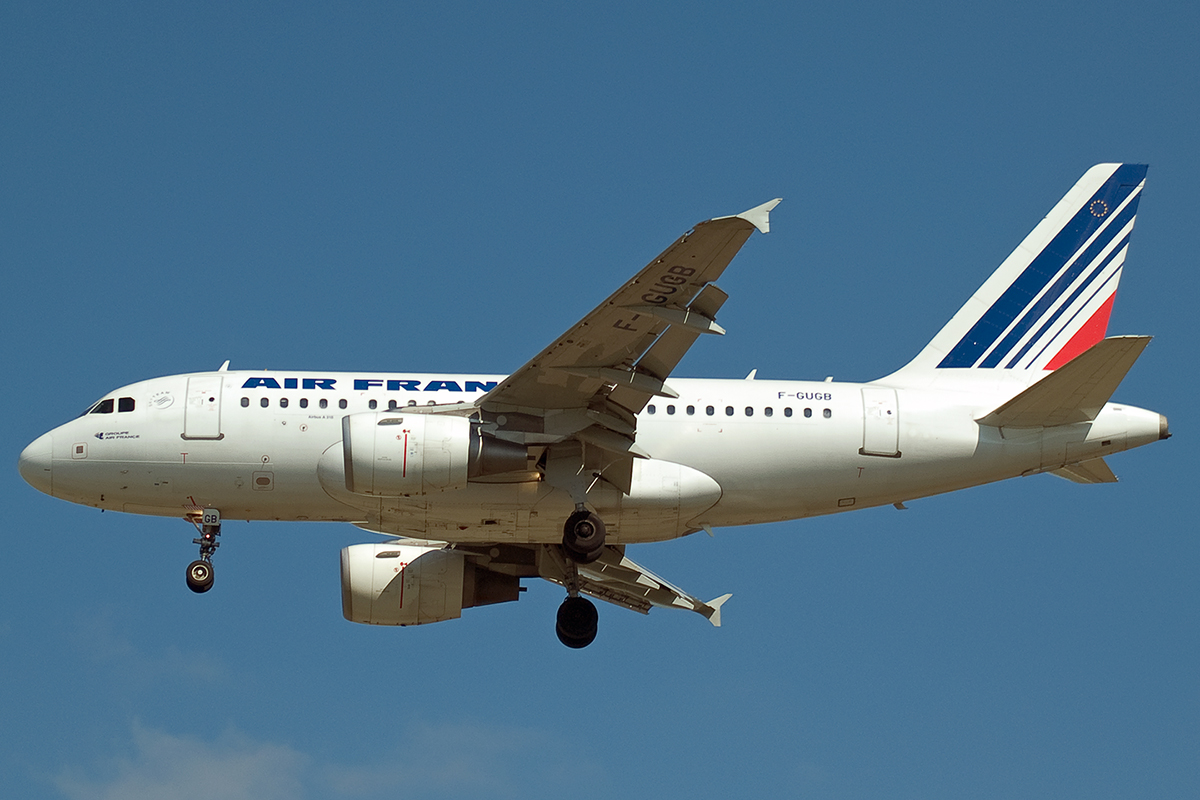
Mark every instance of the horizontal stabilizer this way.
pixel 1094 471
pixel 1074 392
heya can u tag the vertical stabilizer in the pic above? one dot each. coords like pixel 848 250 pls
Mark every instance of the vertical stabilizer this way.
pixel 1051 298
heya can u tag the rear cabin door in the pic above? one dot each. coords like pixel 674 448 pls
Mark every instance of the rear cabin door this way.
pixel 202 415
pixel 881 423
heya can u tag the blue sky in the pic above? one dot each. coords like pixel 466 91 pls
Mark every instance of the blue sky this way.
pixel 447 187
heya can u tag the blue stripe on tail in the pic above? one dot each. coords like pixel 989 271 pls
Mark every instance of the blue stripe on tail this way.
pixel 1020 294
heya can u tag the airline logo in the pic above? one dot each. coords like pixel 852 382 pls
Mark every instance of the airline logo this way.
pixel 366 384
pixel 1059 305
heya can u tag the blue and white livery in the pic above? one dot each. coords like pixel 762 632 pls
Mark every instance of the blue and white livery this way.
pixel 472 483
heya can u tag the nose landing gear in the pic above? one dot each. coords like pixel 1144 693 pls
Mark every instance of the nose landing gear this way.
pixel 200 576
pixel 200 571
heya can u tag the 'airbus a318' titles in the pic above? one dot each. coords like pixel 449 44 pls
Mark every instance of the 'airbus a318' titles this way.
pixel 476 482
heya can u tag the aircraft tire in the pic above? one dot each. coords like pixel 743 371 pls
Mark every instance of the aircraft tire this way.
pixel 583 537
pixel 199 576
pixel 577 622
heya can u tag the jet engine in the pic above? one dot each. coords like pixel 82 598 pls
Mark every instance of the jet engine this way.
pixel 408 584
pixel 393 454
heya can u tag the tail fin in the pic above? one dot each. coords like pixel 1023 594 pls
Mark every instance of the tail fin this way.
pixel 1050 300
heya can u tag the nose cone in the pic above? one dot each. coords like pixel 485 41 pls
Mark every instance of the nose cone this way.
pixel 35 464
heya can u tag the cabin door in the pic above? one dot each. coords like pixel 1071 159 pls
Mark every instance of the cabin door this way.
pixel 881 423
pixel 202 414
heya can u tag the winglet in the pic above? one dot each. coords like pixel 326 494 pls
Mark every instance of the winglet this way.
pixel 715 605
pixel 759 216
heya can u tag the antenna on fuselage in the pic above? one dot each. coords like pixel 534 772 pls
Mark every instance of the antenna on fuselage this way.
pixel 224 367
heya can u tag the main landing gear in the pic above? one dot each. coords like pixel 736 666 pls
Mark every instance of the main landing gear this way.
pixel 582 543
pixel 577 621
pixel 200 571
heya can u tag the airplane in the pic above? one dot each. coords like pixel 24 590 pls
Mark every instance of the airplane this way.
pixel 476 482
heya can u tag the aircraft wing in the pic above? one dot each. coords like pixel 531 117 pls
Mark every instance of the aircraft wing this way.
pixel 591 381
pixel 618 580
pixel 612 577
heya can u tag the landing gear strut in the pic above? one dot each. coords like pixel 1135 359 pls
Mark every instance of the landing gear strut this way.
pixel 583 536
pixel 200 571
pixel 577 619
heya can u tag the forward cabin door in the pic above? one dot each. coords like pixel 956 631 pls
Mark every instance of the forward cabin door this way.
pixel 202 415
pixel 881 423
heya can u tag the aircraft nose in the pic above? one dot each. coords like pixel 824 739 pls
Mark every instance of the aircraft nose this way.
pixel 35 464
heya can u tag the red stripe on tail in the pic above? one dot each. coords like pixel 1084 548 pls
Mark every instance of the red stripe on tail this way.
pixel 1091 333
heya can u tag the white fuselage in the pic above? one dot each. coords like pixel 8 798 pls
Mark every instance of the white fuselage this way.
pixel 726 452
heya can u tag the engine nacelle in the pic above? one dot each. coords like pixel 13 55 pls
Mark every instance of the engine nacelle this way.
pixel 394 454
pixel 408 584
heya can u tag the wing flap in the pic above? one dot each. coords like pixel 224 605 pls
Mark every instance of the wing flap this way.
pixel 616 579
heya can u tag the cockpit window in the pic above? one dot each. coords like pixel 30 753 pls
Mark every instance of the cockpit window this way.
pixel 103 407
pixel 125 404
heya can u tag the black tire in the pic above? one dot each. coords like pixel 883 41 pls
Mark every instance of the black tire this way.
pixel 577 622
pixel 583 537
pixel 200 576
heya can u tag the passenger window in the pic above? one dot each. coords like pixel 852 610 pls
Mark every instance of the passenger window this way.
pixel 650 409
pixel 808 412
pixel 304 402
pixel 787 412
pixel 324 403
pixel 393 405
pixel 670 409
pixel 104 407
pixel 245 402
pixel 372 405
pixel 729 411
pixel 710 411
pixel 768 411
pixel 749 411
pixel 125 404
pixel 264 402
pixel 691 410
pixel 283 401
pixel 827 413
pixel 411 403
pixel 342 403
